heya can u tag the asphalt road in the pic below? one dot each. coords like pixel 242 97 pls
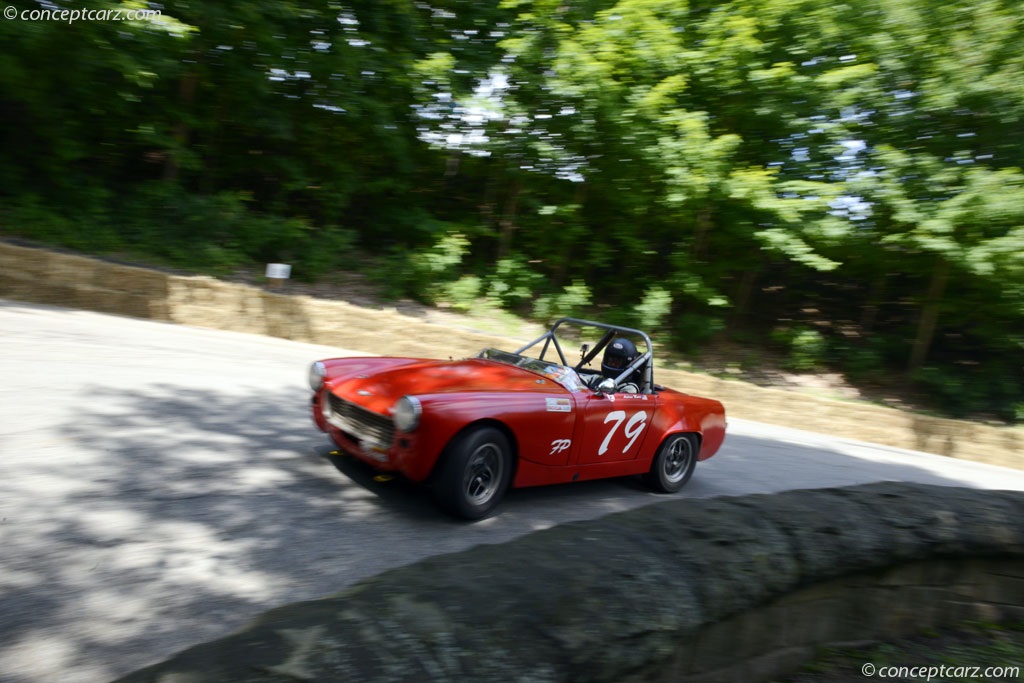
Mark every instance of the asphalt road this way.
pixel 162 485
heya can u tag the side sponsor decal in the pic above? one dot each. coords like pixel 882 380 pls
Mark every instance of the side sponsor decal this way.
pixel 559 405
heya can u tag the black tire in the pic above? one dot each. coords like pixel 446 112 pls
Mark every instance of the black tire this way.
pixel 673 465
pixel 474 473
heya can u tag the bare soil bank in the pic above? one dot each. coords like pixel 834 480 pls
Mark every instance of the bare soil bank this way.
pixel 45 276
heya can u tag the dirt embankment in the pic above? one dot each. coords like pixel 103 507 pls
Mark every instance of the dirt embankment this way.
pixel 44 276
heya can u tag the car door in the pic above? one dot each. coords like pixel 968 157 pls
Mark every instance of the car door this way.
pixel 615 426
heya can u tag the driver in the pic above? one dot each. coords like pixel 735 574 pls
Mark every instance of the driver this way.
pixel 620 353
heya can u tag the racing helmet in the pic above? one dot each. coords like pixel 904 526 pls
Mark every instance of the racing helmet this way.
pixel 620 353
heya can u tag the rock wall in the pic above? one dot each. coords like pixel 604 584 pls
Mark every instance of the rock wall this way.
pixel 712 590
pixel 43 276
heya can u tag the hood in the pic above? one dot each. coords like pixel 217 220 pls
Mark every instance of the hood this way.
pixel 378 390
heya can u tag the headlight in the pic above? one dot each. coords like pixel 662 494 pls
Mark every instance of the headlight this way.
pixel 317 371
pixel 406 413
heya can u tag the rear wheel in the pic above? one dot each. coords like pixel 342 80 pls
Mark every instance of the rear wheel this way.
pixel 474 473
pixel 673 465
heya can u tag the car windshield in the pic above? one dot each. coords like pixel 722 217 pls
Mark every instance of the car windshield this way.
pixel 565 376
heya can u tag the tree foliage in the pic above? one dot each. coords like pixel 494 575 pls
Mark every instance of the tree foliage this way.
pixel 841 180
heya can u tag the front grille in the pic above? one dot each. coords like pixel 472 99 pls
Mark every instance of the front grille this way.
pixel 363 424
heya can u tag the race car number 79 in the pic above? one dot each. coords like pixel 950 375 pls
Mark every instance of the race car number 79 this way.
pixel 632 430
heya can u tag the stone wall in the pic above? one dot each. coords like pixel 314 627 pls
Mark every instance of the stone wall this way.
pixel 712 590
pixel 48 277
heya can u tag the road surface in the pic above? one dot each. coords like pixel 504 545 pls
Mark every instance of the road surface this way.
pixel 162 485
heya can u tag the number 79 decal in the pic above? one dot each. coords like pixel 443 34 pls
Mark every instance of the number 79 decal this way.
pixel 633 428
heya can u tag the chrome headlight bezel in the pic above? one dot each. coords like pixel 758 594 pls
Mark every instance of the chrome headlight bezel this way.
pixel 406 414
pixel 317 372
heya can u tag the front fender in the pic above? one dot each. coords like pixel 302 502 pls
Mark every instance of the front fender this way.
pixel 529 420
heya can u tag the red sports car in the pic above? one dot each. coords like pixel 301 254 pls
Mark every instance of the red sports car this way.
pixel 472 428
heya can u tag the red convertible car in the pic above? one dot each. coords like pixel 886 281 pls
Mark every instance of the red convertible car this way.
pixel 472 428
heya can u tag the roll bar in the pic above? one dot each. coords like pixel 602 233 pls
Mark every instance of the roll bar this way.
pixel 550 339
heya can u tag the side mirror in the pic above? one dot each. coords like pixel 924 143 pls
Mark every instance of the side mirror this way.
pixel 606 386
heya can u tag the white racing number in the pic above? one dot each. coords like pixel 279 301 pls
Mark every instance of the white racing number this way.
pixel 633 428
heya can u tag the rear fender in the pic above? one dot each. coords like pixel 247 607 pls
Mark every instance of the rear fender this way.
pixel 703 417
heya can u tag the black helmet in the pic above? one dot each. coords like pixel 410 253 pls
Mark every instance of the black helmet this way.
pixel 620 353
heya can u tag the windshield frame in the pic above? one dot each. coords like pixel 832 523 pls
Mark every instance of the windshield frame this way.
pixel 564 375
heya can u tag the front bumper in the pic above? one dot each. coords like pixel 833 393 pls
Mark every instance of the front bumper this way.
pixel 368 436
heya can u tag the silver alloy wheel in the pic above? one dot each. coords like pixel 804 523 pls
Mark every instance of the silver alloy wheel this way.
pixel 483 474
pixel 676 463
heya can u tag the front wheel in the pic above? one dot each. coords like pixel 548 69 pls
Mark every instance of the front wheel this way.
pixel 673 465
pixel 474 473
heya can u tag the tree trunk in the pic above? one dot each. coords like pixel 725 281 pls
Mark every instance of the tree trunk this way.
pixel 451 167
pixel 929 315
pixel 187 93
pixel 507 223
pixel 701 235
pixel 744 293
pixel 869 314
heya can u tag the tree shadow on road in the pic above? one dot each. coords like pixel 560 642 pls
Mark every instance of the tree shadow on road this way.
pixel 174 515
